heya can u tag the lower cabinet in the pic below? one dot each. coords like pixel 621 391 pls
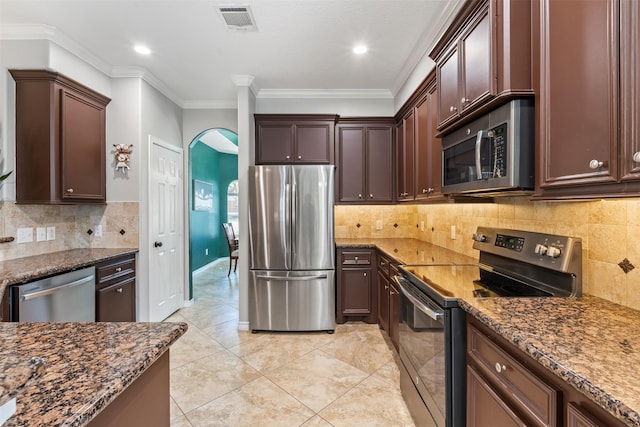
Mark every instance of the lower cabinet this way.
pixel 507 388
pixel 356 296
pixel 388 298
pixel 116 290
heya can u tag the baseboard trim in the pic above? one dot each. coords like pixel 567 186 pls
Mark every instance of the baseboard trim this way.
pixel 211 264
pixel 243 326
pixel 188 303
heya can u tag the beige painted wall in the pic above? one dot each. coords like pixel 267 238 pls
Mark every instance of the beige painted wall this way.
pixel 609 230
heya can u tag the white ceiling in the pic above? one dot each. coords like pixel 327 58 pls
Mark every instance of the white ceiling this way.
pixel 301 46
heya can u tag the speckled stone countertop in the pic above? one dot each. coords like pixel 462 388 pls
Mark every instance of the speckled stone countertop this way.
pixel 87 366
pixel 21 270
pixel 589 342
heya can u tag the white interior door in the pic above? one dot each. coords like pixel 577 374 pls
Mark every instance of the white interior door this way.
pixel 166 224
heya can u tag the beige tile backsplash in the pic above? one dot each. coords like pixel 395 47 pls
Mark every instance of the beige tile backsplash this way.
pixel 609 229
pixel 72 223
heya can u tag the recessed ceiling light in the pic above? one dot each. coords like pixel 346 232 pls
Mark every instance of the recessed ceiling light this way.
pixel 143 50
pixel 360 49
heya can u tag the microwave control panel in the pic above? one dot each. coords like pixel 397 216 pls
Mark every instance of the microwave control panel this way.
pixel 499 134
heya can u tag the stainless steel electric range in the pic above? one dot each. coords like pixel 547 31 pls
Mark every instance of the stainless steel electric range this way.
pixel 512 263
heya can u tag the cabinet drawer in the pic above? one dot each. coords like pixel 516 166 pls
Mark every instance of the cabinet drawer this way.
pixel 356 258
pixel 115 269
pixel 531 396
pixel 116 303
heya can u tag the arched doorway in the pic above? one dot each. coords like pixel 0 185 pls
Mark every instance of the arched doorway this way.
pixel 213 166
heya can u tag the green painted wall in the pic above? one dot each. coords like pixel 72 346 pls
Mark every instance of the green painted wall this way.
pixel 205 228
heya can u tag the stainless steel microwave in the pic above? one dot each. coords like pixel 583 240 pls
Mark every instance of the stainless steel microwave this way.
pixel 493 155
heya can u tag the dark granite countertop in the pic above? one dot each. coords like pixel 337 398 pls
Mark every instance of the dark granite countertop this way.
pixel 591 343
pixel 87 366
pixel 22 270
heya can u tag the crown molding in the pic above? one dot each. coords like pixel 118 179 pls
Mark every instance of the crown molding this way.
pixel 211 105
pixel 152 80
pixel 325 93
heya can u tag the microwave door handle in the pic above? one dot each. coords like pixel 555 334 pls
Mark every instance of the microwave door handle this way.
pixel 481 135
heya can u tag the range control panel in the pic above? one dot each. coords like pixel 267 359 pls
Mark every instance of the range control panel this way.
pixel 547 250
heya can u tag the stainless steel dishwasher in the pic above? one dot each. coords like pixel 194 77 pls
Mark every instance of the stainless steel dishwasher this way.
pixel 67 297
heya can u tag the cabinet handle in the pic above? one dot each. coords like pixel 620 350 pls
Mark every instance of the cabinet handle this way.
pixel 118 269
pixel 464 100
pixel 595 164
pixel 70 190
pixel 452 109
pixel 500 368
pixel 119 290
pixel 636 157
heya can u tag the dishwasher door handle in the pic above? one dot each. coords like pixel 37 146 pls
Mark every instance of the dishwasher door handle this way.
pixel 435 315
pixel 52 289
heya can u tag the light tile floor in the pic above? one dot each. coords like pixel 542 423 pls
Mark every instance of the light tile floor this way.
pixel 224 377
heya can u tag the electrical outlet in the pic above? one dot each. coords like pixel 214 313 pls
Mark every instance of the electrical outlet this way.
pixel 41 234
pixel 25 235
pixel 453 232
pixel 379 224
pixel 51 233
pixel 422 226
pixel 97 230
pixel 206 251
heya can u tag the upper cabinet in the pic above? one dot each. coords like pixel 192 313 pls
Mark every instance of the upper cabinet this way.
pixel 303 139
pixel 587 111
pixel 364 158
pixel 482 60
pixel 60 140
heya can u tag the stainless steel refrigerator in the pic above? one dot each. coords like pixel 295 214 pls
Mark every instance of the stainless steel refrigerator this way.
pixel 292 267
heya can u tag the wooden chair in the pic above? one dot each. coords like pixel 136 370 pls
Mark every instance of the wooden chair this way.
pixel 232 241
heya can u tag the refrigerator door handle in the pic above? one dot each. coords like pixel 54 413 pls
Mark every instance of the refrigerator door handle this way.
pixel 292 278
pixel 293 223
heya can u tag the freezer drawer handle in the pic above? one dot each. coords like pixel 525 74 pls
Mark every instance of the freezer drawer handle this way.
pixel 286 279
pixel 43 292
pixel 435 315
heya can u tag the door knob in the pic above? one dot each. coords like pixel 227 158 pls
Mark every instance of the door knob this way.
pixel 157 244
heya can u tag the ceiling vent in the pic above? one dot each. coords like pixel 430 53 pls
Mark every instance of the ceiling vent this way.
pixel 238 18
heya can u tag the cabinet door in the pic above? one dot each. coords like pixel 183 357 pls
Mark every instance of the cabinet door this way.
pixel 356 292
pixel 351 164
pixel 577 417
pixel 485 407
pixel 379 157
pixel 116 303
pixel 406 189
pixel 630 85
pixel 448 86
pixel 476 53
pixel 577 115
pixel 314 143
pixel 383 301
pixel 428 148
pixel 274 144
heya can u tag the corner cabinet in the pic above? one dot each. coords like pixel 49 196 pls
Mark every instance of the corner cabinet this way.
pixel 364 159
pixel 483 59
pixel 587 105
pixel 507 387
pixel 356 296
pixel 60 140
pixel 302 139
pixel 116 290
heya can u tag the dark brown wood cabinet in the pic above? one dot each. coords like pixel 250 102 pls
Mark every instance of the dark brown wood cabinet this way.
pixel 507 387
pixel 116 290
pixel 60 140
pixel 388 297
pixel 483 59
pixel 303 139
pixel 364 158
pixel 356 295
pixel 586 84
pixel 406 158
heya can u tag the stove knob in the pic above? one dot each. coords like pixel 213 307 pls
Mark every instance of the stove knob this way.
pixel 479 237
pixel 553 252
pixel 540 249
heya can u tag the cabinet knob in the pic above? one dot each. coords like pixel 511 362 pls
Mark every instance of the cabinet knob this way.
pixel 119 290
pixel 500 368
pixel 299 157
pixel 288 157
pixel 595 164
pixel 386 286
pixel 70 190
pixel 359 196
pixel 636 157
pixel 371 196
pixel 118 269
pixel 364 274
pixel 464 100
pixel 452 109
pixel 355 258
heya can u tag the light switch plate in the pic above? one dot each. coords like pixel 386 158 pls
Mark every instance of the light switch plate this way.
pixel 41 234
pixel 51 233
pixel 25 235
pixel 453 232
pixel 379 224
pixel 97 231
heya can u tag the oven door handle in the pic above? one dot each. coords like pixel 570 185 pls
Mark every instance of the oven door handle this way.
pixel 434 314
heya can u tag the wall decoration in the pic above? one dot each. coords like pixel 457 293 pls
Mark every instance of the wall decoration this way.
pixel 122 154
pixel 202 196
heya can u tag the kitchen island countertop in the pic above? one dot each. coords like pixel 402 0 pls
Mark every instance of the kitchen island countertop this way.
pixel 590 343
pixel 87 365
